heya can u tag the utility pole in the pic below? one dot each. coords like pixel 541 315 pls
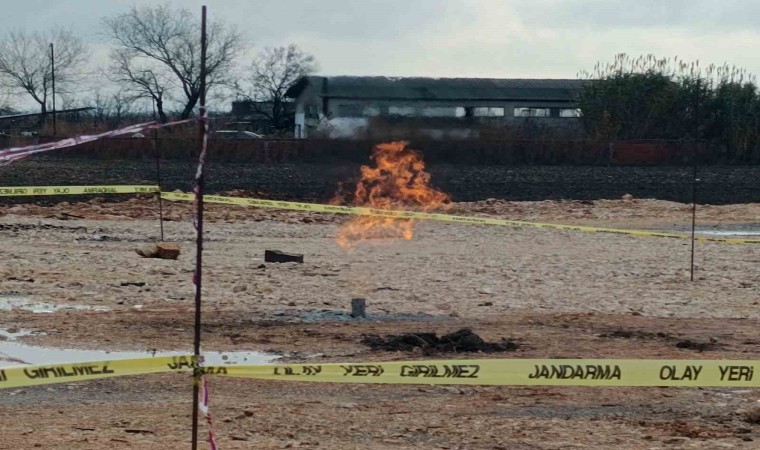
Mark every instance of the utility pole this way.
pixel 52 73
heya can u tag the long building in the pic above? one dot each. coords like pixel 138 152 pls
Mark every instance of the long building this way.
pixel 344 106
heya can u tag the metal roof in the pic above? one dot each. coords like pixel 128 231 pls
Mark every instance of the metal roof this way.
pixel 414 88
pixel 58 111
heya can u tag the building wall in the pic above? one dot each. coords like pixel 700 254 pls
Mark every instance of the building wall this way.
pixel 255 113
pixel 433 108
pixel 349 116
pixel 308 112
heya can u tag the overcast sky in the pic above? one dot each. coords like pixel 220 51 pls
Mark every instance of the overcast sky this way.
pixel 453 38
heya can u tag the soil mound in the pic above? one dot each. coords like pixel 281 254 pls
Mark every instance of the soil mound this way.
pixel 462 341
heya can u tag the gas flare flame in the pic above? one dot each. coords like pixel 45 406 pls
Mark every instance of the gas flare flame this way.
pixel 398 181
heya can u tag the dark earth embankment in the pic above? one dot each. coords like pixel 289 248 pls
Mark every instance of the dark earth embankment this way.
pixel 319 182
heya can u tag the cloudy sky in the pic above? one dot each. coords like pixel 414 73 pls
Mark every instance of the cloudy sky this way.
pixel 453 38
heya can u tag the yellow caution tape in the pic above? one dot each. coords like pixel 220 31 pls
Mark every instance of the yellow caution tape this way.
pixel 24 191
pixel 484 372
pixel 12 377
pixel 21 191
pixel 516 372
pixel 315 207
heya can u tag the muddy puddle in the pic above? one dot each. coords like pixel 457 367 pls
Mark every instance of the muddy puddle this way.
pixel 727 233
pixel 742 230
pixel 21 303
pixel 13 353
pixel 11 334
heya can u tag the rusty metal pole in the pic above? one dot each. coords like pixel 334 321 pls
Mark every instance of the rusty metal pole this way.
pixel 199 185
pixel 157 153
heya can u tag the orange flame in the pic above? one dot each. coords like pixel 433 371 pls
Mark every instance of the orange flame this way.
pixel 398 182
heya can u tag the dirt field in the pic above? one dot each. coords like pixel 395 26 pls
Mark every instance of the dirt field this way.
pixel 717 185
pixel 556 294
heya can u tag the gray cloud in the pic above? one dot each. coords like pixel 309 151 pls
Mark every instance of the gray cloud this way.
pixel 366 20
pixel 702 16
pixel 262 20
pixel 486 38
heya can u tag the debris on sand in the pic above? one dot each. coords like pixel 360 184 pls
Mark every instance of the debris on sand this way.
pixel 464 340
pixel 753 416
pixel 634 334
pixel 163 250
pixel 698 346
pixel 276 256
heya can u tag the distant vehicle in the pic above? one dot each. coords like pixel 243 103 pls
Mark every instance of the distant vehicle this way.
pixel 237 135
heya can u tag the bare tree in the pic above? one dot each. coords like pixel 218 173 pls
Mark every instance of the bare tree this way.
pixel 6 106
pixel 102 107
pixel 166 42
pixel 25 66
pixel 273 72
pixel 122 106
pixel 140 77
pixel 111 109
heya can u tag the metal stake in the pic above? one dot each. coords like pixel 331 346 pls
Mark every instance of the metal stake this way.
pixel 157 152
pixel 693 208
pixel 694 180
pixel 199 185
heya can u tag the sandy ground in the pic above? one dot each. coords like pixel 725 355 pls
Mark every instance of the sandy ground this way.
pixel 558 294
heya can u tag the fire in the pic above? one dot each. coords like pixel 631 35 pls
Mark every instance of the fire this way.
pixel 398 181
